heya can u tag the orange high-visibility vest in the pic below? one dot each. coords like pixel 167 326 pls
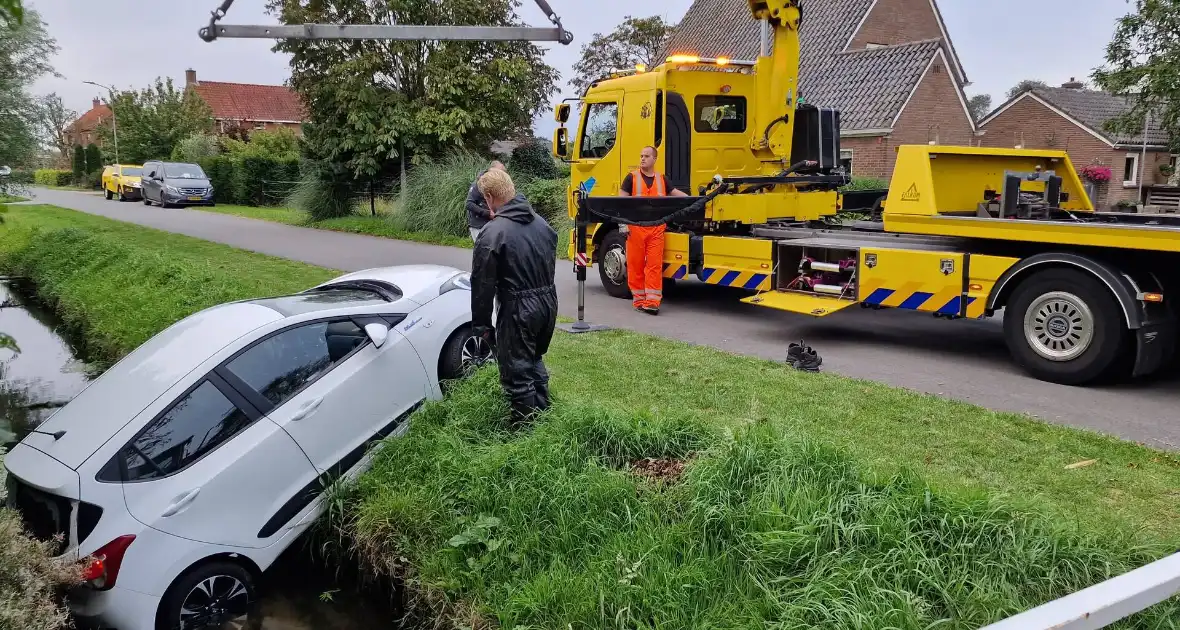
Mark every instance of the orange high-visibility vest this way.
pixel 639 188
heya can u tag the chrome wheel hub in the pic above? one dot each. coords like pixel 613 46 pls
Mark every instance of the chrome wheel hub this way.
pixel 614 263
pixel 219 602
pixel 1059 326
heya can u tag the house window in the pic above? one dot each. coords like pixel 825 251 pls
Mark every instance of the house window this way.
pixel 846 160
pixel 1131 170
pixel 259 126
pixel 871 45
pixel 720 114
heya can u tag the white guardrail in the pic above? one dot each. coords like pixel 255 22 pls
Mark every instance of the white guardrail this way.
pixel 1104 603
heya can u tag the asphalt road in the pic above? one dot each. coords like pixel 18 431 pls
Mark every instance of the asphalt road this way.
pixel 966 360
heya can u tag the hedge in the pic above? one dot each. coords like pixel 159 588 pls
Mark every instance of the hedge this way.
pixel 53 177
pixel 247 179
pixel 21 177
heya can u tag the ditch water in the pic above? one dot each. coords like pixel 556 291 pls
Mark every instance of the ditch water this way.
pixel 40 371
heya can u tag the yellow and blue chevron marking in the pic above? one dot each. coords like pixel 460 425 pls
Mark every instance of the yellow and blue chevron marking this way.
pixel 675 271
pixel 751 280
pixel 913 300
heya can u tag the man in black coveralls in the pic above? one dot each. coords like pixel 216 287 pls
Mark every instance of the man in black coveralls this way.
pixel 514 260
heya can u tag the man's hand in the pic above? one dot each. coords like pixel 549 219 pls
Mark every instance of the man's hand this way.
pixel 623 229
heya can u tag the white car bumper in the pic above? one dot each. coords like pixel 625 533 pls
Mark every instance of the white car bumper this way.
pixel 120 608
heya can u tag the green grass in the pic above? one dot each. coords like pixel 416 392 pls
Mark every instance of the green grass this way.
pixel 29 580
pixel 118 284
pixel 11 199
pixel 794 511
pixel 809 500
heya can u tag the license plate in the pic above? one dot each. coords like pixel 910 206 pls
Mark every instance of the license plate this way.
pixel 194 198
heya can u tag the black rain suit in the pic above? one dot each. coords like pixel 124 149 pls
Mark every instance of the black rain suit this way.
pixel 514 261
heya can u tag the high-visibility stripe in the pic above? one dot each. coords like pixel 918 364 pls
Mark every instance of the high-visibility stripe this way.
pixel 915 300
pixel 745 279
pixel 878 296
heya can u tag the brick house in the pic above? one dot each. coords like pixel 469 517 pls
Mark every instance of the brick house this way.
pixel 888 65
pixel 84 131
pixel 247 105
pixel 1072 118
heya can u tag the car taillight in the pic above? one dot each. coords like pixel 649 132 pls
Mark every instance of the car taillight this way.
pixel 103 565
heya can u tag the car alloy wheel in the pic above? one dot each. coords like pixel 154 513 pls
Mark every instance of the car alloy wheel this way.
pixel 218 601
pixel 476 352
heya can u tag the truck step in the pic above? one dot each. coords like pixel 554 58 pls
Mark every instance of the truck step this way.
pixel 802 303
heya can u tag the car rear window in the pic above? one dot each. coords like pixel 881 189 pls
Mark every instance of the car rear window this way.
pixel 322 300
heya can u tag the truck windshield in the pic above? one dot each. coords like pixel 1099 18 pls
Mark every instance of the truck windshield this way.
pixel 183 171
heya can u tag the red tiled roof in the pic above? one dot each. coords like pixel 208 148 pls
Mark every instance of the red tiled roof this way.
pixel 91 119
pixel 247 101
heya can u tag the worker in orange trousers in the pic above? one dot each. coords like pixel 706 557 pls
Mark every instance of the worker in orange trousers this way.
pixel 645 245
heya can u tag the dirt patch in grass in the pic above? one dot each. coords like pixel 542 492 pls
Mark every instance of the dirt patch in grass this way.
pixel 663 470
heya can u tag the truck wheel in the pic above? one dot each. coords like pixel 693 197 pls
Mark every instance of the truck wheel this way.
pixel 1064 326
pixel 612 264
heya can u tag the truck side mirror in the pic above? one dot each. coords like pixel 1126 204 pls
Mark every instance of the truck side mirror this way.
pixel 562 113
pixel 561 143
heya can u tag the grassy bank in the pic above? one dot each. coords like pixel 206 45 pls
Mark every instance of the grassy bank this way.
pixel 675 486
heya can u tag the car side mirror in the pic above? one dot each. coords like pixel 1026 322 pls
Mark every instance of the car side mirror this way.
pixel 377 333
pixel 561 142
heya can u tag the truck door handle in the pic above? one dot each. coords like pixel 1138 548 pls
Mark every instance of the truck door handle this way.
pixel 306 409
pixel 181 502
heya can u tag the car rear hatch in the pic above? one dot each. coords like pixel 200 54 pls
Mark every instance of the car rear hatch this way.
pixel 45 492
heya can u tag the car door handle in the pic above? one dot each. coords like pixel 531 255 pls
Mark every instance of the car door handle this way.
pixel 306 408
pixel 181 502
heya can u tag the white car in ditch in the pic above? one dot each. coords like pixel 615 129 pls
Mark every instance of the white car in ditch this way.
pixel 181 473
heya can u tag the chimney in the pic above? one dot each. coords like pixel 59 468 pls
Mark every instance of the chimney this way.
pixel 95 103
pixel 190 77
pixel 1073 84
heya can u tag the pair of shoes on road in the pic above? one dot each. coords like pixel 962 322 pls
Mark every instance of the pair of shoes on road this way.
pixel 650 310
pixel 803 357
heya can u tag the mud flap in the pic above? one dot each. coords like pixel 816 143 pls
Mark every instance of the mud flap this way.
pixel 1155 346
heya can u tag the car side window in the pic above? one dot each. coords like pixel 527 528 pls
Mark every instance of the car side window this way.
pixel 281 365
pixel 198 423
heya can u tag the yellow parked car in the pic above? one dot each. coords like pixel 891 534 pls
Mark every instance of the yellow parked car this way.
pixel 122 181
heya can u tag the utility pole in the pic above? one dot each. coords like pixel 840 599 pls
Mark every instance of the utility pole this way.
pixel 114 119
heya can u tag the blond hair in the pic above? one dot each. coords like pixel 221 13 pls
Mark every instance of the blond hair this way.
pixel 497 184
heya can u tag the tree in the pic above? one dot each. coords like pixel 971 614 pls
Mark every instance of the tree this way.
pixel 25 49
pixel 635 41
pixel 153 121
pixel 79 163
pixel 93 158
pixel 1024 86
pixel 980 105
pixel 1142 64
pixel 369 102
pixel 11 12
pixel 196 147
pixel 53 119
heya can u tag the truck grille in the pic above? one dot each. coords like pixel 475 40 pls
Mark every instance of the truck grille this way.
pixel 47 516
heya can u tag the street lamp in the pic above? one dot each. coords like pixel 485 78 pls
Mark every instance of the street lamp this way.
pixel 114 119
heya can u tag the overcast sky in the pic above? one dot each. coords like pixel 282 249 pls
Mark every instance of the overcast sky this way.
pixel 127 43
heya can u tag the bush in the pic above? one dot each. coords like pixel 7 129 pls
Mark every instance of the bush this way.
pixel 547 197
pixel 436 194
pixel 249 179
pixel 79 164
pixel 93 180
pixel 866 183
pixel 195 148
pixel 30 580
pixel 52 177
pixel 93 158
pixel 21 177
pixel 324 192
pixel 533 160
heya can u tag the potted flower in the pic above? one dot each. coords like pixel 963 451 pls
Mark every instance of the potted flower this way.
pixel 1097 173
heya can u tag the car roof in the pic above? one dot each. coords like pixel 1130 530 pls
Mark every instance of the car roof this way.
pixel 123 391
pixel 418 283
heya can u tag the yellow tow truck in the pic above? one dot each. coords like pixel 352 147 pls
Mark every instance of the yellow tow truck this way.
pixel 963 232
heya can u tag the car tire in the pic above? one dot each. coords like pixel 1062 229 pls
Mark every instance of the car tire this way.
pixel 612 264
pixel 122 197
pixel 462 353
pixel 164 204
pixel 146 201
pixel 1065 326
pixel 234 594
pixel 107 194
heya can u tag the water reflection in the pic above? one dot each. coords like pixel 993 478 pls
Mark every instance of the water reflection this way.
pixel 38 371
